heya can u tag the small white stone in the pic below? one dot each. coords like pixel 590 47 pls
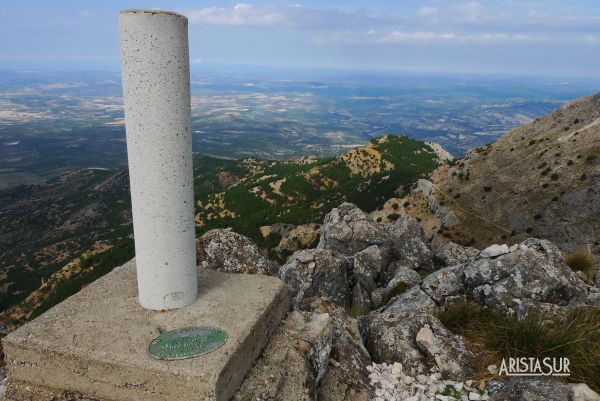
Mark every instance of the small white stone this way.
pixel 493 251
pixel 581 392
pixel 474 396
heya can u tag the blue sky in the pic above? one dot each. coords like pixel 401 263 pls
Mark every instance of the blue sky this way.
pixel 521 37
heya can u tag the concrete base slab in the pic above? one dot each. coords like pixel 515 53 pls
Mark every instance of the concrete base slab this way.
pixel 94 344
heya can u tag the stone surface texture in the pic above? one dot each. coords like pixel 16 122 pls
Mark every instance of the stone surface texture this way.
pixel 95 343
pixel 230 252
pixel 156 93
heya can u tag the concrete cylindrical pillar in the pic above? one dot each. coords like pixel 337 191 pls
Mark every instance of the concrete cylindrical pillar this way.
pixel 156 91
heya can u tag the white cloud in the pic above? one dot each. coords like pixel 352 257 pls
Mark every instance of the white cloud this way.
pixel 592 39
pixel 238 15
pixel 476 22
pixel 427 37
pixel 428 11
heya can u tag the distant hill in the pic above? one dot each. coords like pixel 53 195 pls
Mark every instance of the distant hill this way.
pixel 539 180
pixel 57 236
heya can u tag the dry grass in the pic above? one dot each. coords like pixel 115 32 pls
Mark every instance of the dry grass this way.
pixel 575 336
pixel 582 259
pixel 356 311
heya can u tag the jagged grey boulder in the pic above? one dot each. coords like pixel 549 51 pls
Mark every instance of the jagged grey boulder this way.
pixel 450 253
pixel 534 275
pixel 410 246
pixel 403 274
pixel 318 273
pixel 529 277
pixel 531 389
pixel 447 350
pixel 414 300
pixel 361 300
pixel 417 340
pixel 312 355
pixel 404 278
pixel 444 283
pixel 370 265
pixel 230 252
pixel 348 230
pixel 347 376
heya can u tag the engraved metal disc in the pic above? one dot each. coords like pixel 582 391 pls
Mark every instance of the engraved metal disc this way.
pixel 187 342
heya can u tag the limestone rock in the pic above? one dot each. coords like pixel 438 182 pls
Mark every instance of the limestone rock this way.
pixel 412 301
pixel 448 351
pixel 417 340
pixel 229 252
pixel 582 392
pixel 533 276
pixel 347 377
pixel 360 298
pixel 494 251
pixel 403 274
pixel 348 230
pixel 370 265
pixel 287 368
pixel 403 278
pixel 451 253
pixel 444 283
pixel 316 273
pixel 410 245
pixel 531 389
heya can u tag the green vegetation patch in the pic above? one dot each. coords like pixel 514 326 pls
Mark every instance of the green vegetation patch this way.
pixel 576 336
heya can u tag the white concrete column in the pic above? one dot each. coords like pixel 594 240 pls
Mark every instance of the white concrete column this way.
pixel 156 91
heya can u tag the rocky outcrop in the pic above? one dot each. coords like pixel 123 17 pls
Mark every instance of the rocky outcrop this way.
pixel 286 368
pixel 313 355
pixel 387 273
pixel 230 252
pixel 359 263
pixel 531 389
pixel 410 245
pixel 450 253
pixel 418 341
pixel 531 276
pixel 348 230
pixel 315 273
pixel 347 376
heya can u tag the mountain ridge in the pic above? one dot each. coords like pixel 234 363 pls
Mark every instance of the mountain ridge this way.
pixel 541 179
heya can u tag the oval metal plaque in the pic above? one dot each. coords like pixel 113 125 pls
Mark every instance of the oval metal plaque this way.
pixel 187 342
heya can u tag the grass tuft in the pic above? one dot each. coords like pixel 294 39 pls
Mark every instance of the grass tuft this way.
pixel 356 311
pixel 575 336
pixel 582 259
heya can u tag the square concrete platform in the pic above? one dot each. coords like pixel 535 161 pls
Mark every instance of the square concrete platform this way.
pixel 95 344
